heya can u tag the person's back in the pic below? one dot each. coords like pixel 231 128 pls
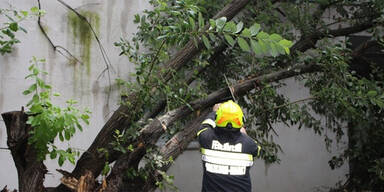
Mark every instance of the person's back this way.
pixel 227 153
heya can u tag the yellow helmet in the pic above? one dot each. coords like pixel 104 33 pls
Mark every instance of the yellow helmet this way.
pixel 229 112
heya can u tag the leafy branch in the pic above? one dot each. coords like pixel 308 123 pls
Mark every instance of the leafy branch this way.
pixel 8 29
pixel 50 121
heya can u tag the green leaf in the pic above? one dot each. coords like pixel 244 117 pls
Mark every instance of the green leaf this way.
pixel 61 160
pixel 137 19
pixel 287 51
pixel 262 35
pixel 192 23
pixel 280 49
pixel 220 22
pixel 230 40
pixel 255 28
pixel 230 27
pixel 212 24
pixel 285 43
pixel 380 103
pixel 246 33
pixel 239 27
pixel 61 137
pixel 273 50
pixel 24 13
pixel 161 37
pixel 243 44
pixel 275 37
pixel 206 42
pixel 371 93
pixel 71 159
pixel 26 92
pixel 212 36
pixel 106 169
pixel 32 88
pixel 53 154
pixel 263 46
pixel 67 135
pixel 35 10
pixel 256 47
pixel 201 20
pixel 14 26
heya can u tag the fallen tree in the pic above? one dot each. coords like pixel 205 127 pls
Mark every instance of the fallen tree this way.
pixel 330 66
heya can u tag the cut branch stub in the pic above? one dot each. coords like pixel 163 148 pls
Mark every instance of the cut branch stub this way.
pixel 31 171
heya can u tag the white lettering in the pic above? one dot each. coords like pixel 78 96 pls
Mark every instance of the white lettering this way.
pixel 226 147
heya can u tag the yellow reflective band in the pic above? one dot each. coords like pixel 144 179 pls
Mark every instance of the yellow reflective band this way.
pixel 209 122
pixel 198 133
pixel 258 151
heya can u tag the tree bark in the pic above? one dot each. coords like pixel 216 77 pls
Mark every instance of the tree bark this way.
pixel 30 170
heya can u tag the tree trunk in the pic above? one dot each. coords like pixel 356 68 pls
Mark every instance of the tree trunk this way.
pixel 31 171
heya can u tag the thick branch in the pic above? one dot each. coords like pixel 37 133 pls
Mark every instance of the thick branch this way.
pixel 175 146
pixel 307 42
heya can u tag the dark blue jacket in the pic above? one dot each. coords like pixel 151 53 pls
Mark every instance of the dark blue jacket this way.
pixel 227 156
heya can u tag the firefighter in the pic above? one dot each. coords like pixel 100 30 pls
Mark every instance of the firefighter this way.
pixel 227 151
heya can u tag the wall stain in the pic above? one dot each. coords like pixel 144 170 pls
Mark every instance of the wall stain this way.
pixel 83 35
pixel 82 38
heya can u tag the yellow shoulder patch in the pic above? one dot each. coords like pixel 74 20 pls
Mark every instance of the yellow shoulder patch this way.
pixel 209 122
pixel 198 133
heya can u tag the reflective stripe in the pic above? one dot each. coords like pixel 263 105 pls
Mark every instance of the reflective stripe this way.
pixel 258 151
pixel 209 122
pixel 198 133
pixel 223 169
pixel 224 161
pixel 226 158
pixel 228 155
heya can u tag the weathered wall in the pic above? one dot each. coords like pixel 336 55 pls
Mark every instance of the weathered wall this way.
pixel 303 167
pixel 111 19
pixel 304 162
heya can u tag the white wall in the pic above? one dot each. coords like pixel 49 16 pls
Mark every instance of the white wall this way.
pixel 72 81
pixel 304 161
pixel 303 165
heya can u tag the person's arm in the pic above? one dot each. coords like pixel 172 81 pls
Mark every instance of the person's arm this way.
pixel 243 130
pixel 209 121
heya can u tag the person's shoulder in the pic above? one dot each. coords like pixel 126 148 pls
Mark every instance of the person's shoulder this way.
pixel 248 140
pixel 205 131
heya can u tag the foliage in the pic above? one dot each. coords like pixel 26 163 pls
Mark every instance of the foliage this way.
pixel 50 121
pixel 349 104
pixel 9 29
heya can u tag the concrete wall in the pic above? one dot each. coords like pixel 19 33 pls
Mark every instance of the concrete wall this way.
pixel 303 167
pixel 304 162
